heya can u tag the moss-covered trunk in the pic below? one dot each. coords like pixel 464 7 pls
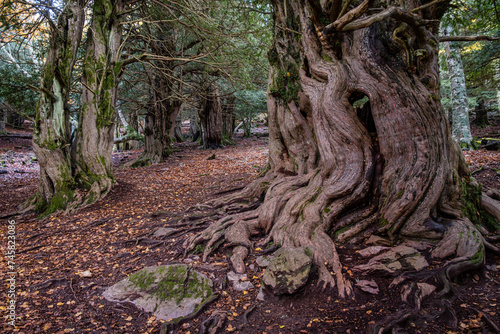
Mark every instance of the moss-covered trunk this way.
pixel 51 136
pixel 101 70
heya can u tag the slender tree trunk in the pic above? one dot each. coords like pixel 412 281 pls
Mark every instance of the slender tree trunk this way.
pixel 459 103
pixel 101 70
pixel 52 131
pixel 359 144
pixel 211 118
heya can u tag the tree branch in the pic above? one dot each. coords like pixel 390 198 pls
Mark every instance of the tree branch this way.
pixel 350 16
pixel 466 38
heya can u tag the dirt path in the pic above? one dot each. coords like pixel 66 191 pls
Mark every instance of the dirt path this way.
pixel 110 239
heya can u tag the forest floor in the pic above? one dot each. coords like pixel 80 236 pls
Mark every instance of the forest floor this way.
pixel 110 239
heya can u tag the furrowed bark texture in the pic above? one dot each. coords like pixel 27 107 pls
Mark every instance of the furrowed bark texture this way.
pixel 101 70
pixel 211 118
pixel 358 142
pixel 51 136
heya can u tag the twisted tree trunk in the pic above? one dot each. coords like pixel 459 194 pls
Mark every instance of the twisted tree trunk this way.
pixel 101 69
pixel 52 132
pixel 358 144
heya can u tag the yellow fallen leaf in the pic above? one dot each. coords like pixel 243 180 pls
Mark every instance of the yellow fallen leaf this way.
pixel 368 312
pixel 59 304
pixel 129 318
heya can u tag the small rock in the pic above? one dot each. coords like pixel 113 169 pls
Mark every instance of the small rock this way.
pixel 288 270
pixel 85 274
pixel 368 286
pixel 373 250
pixel 240 281
pixel 492 267
pixel 243 286
pixel 263 261
pixel 261 295
pixel 187 261
pixel 378 241
pixel 251 267
pixel 163 231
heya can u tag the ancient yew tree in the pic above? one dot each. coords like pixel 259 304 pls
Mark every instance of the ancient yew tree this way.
pixel 359 144
pixel 52 133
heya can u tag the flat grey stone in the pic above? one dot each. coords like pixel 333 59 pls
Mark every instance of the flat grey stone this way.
pixel 288 270
pixel 261 295
pixel 239 281
pixel 373 250
pixel 395 260
pixel 170 292
pixel 368 286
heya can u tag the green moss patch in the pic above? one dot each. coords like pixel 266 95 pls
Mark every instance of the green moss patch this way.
pixel 169 292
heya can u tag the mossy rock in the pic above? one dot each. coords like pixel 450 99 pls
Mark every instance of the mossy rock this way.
pixel 170 292
pixel 288 271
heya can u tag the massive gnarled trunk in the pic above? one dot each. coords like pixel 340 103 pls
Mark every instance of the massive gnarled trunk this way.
pixel 101 70
pixel 51 136
pixel 358 144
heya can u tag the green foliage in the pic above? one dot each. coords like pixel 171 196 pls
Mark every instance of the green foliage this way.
pixel 248 105
pixel 286 84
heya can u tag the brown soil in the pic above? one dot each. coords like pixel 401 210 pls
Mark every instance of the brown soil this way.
pixel 111 240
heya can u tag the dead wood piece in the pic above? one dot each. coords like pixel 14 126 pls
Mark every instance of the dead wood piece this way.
pixel 30 249
pixel 247 313
pixel 46 284
pixel 491 205
pixel 213 323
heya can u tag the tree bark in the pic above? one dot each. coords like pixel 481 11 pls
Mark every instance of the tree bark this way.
pixel 228 118
pixel 101 70
pixel 164 107
pixel 459 103
pixel 481 111
pixel 52 131
pixel 358 141
pixel 194 127
pixel 211 118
